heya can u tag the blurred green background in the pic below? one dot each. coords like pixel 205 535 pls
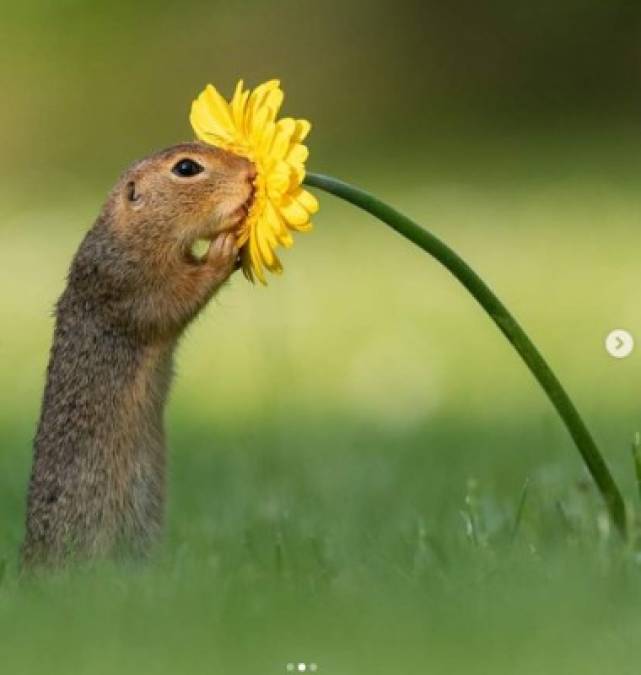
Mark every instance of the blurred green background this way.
pixel 350 445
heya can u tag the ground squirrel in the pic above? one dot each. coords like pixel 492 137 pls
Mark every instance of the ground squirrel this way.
pixel 98 479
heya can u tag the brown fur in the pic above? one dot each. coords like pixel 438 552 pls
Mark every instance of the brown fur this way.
pixel 98 480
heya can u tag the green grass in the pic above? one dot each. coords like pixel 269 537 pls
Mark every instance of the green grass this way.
pixel 350 448
pixel 357 550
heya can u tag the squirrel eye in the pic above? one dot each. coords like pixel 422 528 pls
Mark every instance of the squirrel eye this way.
pixel 186 168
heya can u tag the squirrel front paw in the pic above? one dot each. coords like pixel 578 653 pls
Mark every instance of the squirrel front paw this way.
pixel 222 258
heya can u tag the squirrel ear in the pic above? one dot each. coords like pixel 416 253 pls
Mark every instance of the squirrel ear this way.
pixel 132 195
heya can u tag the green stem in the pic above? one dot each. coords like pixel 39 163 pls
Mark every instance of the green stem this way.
pixel 506 324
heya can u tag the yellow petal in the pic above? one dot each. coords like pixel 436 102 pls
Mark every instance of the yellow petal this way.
pixel 297 175
pixel 265 143
pixel 258 123
pixel 297 154
pixel 306 200
pixel 219 108
pixel 278 180
pixel 256 263
pixel 287 126
pixel 205 125
pixel 277 267
pixel 293 212
pixel 285 238
pixel 238 92
pixel 256 100
pixel 281 143
pixel 305 227
pixel 273 101
pixel 272 263
pixel 265 250
pixel 303 127
pixel 277 225
pixel 238 101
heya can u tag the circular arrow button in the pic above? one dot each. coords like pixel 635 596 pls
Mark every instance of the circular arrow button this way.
pixel 619 343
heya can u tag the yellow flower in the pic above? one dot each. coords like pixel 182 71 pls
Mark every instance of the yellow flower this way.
pixel 247 126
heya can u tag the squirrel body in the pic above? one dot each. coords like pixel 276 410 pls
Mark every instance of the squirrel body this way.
pixel 97 484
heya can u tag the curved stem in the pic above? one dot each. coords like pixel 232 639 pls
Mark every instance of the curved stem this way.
pixel 506 323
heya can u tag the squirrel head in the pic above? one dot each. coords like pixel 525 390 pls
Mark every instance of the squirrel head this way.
pixel 136 266
pixel 184 193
